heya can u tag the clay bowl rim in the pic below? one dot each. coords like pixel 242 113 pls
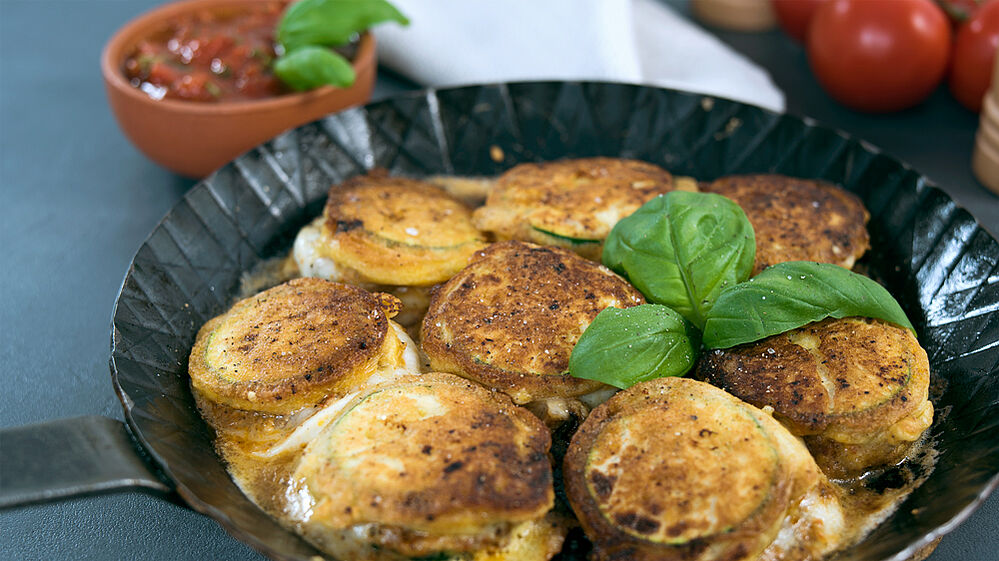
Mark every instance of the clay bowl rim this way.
pixel 114 51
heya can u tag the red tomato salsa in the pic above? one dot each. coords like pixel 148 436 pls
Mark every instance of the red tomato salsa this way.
pixel 210 56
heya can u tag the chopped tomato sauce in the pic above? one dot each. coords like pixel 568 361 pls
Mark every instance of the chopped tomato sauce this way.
pixel 210 56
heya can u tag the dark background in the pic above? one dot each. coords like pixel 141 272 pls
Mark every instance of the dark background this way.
pixel 77 201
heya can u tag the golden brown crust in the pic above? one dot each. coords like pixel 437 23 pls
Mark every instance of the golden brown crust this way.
pixel 431 453
pixel 677 469
pixel 847 381
pixel 395 231
pixel 798 219
pixel 580 199
pixel 291 346
pixel 511 318
pixel 533 540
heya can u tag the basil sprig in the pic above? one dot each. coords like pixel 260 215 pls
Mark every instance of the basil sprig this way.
pixel 694 252
pixel 332 22
pixel 789 295
pixel 624 347
pixel 309 27
pixel 682 250
pixel 310 67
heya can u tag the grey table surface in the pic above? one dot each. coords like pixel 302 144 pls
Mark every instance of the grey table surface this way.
pixel 78 199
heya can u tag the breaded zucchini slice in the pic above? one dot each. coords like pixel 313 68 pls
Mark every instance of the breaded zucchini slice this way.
pixel 677 469
pixel 391 231
pixel 429 465
pixel 294 345
pixel 855 388
pixel 798 219
pixel 570 203
pixel 511 318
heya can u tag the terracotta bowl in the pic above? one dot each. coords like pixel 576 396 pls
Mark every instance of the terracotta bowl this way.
pixel 194 138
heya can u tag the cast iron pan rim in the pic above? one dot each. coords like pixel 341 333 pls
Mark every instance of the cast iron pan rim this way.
pixel 160 466
pixel 227 524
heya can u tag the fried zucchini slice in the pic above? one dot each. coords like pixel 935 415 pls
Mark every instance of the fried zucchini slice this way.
pixel 511 318
pixel 798 219
pixel 677 469
pixel 856 388
pixel 430 465
pixel 294 345
pixel 390 231
pixel 570 203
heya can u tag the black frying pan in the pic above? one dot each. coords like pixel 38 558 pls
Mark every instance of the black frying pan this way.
pixel 930 254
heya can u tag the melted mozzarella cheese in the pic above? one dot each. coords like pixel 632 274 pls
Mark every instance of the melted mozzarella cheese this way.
pixel 308 257
pixel 411 353
pixel 818 528
pixel 597 397
pixel 310 428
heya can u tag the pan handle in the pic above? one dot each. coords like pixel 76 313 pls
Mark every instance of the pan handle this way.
pixel 70 457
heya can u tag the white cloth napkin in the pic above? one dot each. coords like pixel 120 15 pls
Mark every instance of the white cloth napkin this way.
pixel 458 42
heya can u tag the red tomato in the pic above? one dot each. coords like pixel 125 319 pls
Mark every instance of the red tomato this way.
pixel 795 15
pixel 879 55
pixel 974 51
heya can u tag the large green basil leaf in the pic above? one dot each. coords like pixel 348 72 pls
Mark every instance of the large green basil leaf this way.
pixel 789 295
pixel 312 67
pixel 682 249
pixel 624 347
pixel 331 22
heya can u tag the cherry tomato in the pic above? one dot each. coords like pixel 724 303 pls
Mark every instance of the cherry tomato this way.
pixel 795 15
pixel 879 55
pixel 974 52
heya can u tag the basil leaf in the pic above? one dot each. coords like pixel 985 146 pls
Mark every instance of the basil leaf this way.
pixel 682 250
pixel 789 295
pixel 624 347
pixel 332 22
pixel 311 67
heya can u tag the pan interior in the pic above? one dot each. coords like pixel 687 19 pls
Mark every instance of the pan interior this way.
pixel 931 254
